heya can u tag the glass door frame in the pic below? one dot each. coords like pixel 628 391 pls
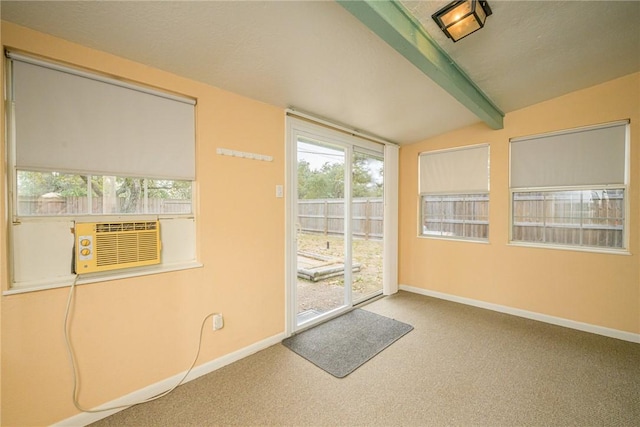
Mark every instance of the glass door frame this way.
pixel 297 128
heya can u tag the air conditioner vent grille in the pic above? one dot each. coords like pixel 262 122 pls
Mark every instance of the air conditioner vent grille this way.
pixel 117 245
pixel 115 227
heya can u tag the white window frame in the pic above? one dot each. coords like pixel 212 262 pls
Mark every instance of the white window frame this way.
pixel 624 250
pixel 463 190
pixel 178 231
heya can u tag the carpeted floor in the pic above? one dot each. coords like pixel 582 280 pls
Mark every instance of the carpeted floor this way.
pixel 460 366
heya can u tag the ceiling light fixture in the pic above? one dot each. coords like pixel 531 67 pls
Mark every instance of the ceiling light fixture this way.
pixel 460 18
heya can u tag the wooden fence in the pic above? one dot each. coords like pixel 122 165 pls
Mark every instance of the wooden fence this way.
pixel 80 206
pixel 326 216
pixel 322 216
pixel 456 215
pixel 566 219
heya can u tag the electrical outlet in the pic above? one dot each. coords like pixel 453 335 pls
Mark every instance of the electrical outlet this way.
pixel 218 321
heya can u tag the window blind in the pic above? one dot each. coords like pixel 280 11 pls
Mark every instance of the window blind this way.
pixel 67 120
pixel 588 156
pixel 457 171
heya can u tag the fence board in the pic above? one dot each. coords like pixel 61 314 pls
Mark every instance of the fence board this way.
pixel 52 206
pixel 326 216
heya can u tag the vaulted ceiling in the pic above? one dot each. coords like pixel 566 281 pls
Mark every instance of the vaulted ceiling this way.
pixel 321 58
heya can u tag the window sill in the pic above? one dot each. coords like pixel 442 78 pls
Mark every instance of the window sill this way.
pixel 588 249
pixel 61 282
pixel 453 239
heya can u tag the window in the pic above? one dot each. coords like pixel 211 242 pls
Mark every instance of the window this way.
pixel 570 217
pixel 461 215
pixel 81 145
pixel 569 188
pixel 454 193
pixel 60 194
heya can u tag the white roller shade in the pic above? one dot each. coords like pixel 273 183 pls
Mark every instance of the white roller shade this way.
pixel 69 121
pixel 457 171
pixel 588 156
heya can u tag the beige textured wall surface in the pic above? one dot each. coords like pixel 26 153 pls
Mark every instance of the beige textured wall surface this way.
pixel 131 333
pixel 3 249
pixel 594 288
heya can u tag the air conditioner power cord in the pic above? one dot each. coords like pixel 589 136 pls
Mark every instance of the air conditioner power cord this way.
pixel 74 365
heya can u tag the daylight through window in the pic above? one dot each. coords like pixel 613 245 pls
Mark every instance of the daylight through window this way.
pixel 85 147
pixel 55 194
pixel 569 188
pixel 454 193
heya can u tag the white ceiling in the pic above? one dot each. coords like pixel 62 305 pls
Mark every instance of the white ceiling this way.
pixel 317 57
pixel 531 51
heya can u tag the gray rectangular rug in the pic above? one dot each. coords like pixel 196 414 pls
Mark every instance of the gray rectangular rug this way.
pixel 343 344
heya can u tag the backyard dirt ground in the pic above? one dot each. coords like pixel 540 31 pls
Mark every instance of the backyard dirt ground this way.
pixel 328 293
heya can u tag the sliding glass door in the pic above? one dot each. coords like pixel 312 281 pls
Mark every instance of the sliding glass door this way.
pixel 320 235
pixel 367 216
pixel 335 223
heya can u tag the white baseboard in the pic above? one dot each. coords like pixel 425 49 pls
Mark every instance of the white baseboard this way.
pixel 586 327
pixel 86 418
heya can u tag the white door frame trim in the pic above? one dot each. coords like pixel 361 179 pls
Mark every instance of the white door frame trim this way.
pixel 295 127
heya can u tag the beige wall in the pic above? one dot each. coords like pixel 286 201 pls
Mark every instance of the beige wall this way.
pixel 3 248
pixel 129 334
pixel 132 333
pixel 594 288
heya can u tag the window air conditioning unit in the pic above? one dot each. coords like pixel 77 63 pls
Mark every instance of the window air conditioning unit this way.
pixel 107 246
